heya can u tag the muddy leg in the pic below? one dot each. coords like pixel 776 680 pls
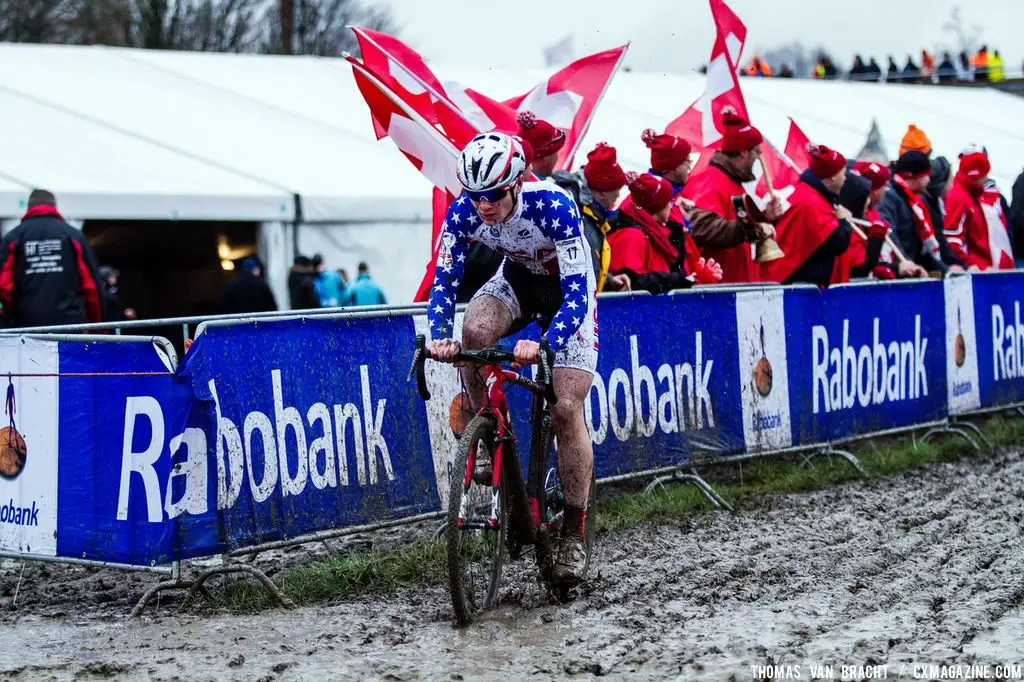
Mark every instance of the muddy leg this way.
pixel 575 449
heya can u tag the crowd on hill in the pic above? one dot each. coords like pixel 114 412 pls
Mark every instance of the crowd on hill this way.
pixel 983 66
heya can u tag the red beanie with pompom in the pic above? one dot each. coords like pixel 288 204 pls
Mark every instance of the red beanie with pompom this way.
pixel 738 135
pixel 825 162
pixel 649 192
pixel 667 151
pixel 602 170
pixel 543 137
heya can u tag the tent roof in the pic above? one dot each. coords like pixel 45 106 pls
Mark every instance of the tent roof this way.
pixel 159 134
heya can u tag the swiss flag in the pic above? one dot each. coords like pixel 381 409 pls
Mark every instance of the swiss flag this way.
pixel 700 124
pixel 568 99
pixel 783 167
pixel 402 70
pixel 430 152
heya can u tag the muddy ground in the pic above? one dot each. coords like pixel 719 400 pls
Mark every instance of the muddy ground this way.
pixel 923 568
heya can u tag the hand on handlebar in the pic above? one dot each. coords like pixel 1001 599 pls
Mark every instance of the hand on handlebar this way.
pixel 527 353
pixel 444 350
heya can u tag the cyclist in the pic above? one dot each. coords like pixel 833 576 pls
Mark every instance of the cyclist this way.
pixel 546 275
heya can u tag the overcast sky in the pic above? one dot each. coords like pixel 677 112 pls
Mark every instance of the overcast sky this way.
pixel 676 35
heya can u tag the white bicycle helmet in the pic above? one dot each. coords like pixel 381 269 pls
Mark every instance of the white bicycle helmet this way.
pixel 491 161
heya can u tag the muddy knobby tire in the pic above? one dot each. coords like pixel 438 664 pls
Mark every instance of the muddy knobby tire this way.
pixel 465 554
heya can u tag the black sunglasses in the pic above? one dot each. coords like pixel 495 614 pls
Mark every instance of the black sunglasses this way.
pixel 491 195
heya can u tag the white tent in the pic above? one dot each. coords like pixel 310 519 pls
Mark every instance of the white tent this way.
pixel 159 135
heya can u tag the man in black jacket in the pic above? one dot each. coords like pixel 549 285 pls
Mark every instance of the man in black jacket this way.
pixel 905 208
pixel 49 273
pixel 301 288
pixel 248 292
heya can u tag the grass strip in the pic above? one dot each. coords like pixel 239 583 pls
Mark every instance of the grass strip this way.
pixel 423 563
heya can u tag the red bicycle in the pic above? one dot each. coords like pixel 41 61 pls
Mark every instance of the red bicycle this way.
pixel 491 509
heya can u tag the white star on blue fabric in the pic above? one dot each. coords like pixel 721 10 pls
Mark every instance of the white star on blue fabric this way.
pixel 438 309
pixel 573 304
pixel 461 258
pixel 559 325
pixel 575 286
pixel 576 321
pixel 555 224
pixel 473 220
pixel 539 204
pixel 456 218
pixel 461 200
pixel 555 203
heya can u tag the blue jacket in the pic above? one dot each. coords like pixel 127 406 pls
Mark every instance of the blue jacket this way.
pixel 331 289
pixel 364 291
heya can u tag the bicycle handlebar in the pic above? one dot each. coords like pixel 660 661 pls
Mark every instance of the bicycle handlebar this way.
pixel 487 356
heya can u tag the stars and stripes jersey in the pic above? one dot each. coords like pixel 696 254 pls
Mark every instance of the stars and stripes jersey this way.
pixel 543 235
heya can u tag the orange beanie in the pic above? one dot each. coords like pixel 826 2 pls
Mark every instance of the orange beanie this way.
pixel 915 140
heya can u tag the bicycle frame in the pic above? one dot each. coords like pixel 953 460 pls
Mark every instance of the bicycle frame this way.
pixel 526 518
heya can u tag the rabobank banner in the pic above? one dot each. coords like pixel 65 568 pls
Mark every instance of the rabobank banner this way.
pixel 65 448
pixel 865 358
pixel 999 332
pixel 270 430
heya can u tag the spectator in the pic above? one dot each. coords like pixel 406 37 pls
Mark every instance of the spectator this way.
pixel 112 305
pixel 301 285
pixel 935 194
pixel 862 257
pixel 893 74
pixel 670 159
pixel 911 73
pixel 946 72
pixel 1017 217
pixel 859 70
pixel 715 227
pixel 831 72
pixel 49 274
pixel 874 71
pixel 927 66
pixel 878 175
pixel 979 62
pixel 640 239
pixel 545 141
pixel 996 68
pixel 248 292
pixel 904 208
pixel 965 71
pixel 364 291
pixel 815 231
pixel 979 242
pixel 758 67
pixel 329 286
pixel 785 71
pixel 596 190
pixel 915 140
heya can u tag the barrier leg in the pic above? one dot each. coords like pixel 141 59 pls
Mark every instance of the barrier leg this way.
pixel 953 431
pixel 176 584
pixel 693 477
pixel 831 452
pixel 974 427
pixel 275 593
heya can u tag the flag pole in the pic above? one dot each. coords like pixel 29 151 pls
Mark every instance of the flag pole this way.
pixel 604 89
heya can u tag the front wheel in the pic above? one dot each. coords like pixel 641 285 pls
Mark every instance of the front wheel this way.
pixel 476 525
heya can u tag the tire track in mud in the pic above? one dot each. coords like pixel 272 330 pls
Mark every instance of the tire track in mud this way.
pixel 926 567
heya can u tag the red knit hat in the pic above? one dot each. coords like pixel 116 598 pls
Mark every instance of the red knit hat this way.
pixel 974 164
pixel 543 137
pixel 649 192
pixel 602 170
pixel 738 135
pixel 667 151
pixel 875 172
pixel 825 162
